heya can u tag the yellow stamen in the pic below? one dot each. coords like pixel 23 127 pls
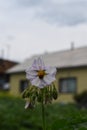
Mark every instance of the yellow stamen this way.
pixel 41 73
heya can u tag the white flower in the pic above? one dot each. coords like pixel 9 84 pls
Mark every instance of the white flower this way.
pixel 28 105
pixel 39 74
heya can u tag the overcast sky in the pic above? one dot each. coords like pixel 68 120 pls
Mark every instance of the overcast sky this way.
pixel 29 27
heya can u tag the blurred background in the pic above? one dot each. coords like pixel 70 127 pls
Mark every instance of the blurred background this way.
pixel 29 27
pixel 46 27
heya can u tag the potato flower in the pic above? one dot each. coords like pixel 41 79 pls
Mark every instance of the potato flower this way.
pixel 41 88
pixel 40 75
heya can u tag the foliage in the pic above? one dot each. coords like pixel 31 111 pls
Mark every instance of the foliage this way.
pixel 81 99
pixel 35 94
pixel 58 117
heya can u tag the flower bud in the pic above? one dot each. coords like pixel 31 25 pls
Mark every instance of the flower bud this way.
pixel 55 93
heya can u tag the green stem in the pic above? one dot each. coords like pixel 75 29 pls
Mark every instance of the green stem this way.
pixel 43 113
pixel 43 116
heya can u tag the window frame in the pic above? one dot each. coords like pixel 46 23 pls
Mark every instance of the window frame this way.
pixel 22 82
pixel 67 92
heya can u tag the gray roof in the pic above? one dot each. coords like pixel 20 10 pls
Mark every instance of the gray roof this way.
pixel 60 59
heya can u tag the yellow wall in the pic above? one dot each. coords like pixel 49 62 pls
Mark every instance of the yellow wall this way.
pixel 15 83
pixel 79 73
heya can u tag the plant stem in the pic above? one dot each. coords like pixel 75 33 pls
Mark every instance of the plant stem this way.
pixel 43 116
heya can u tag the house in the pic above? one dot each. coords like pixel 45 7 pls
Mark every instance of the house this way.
pixel 71 76
pixel 4 78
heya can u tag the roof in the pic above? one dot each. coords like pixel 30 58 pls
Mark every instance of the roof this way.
pixel 60 59
pixel 6 64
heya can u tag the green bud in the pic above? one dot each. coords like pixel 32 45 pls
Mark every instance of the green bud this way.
pixel 55 93
pixel 24 94
pixel 39 98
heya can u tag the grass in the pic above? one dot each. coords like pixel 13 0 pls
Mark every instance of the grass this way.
pixel 13 116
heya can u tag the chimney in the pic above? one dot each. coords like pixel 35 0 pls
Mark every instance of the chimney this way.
pixel 72 46
pixel 1 57
pixel 2 54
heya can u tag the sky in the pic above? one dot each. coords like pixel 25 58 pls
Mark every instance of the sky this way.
pixel 30 27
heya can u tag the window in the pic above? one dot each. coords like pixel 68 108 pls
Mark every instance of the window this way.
pixel 67 85
pixel 23 85
pixel 2 81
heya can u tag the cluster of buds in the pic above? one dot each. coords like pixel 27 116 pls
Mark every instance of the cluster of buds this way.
pixel 34 94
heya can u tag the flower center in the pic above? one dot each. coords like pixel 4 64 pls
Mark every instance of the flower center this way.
pixel 41 74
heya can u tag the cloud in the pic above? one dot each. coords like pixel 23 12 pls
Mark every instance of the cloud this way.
pixel 59 12
pixel 24 25
pixel 62 12
pixel 28 3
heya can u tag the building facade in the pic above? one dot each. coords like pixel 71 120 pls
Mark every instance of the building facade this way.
pixel 71 75
pixel 4 78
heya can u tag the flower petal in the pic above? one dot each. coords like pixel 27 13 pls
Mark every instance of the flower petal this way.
pixel 51 70
pixel 43 84
pixel 49 79
pixel 38 82
pixel 28 70
pixel 31 74
pixel 30 77
pixel 35 65
pixel 38 64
